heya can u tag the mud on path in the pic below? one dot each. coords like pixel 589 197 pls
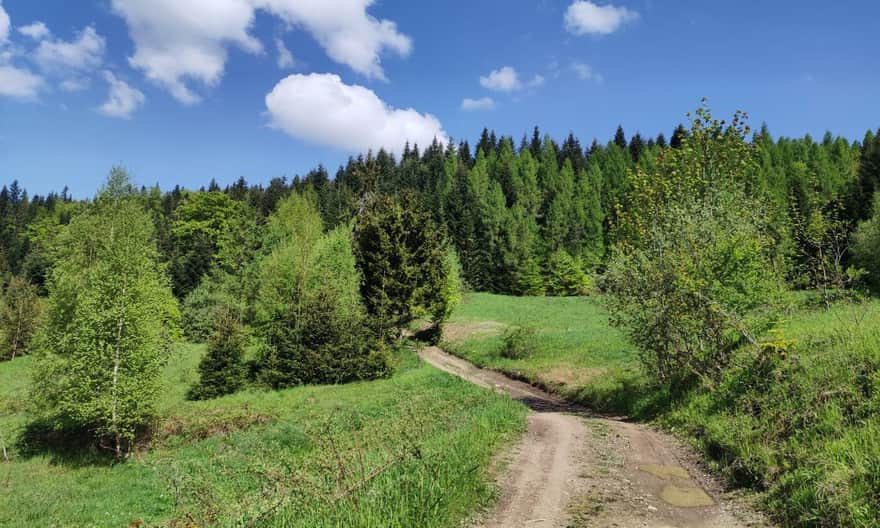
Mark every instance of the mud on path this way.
pixel 574 469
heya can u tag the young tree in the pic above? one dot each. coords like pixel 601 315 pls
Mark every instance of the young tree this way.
pixel 693 273
pixel 110 319
pixel 222 370
pixel 866 246
pixel 401 256
pixel 19 317
pixel 308 311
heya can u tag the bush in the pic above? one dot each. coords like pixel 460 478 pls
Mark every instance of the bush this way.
pixel 694 274
pixel 701 288
pixel 309 311
pixel 222 371
pixel 519 342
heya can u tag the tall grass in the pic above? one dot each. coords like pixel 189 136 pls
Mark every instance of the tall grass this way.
pixel 412 450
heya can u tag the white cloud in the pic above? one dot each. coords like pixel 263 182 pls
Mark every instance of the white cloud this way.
pixel 19 83
pixel 585 72
pixel 75 84
pixel 345 30
pixel 537 80
pixel 123 100
pixel 4 24
pixel 178 43
pixel 320 108
pixel 36 31
pixel 583 17
pixel 501 80
pixel 285 57
pixel 483 103
pixel 84 53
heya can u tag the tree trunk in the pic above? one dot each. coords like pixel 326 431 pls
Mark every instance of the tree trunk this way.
pixel 116 360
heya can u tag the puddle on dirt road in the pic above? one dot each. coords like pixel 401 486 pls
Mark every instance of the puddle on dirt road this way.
pixel 686 497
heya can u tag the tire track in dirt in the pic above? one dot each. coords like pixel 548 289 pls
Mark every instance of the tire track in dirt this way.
pixel 575 469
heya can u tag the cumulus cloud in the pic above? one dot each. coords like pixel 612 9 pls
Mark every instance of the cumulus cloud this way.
pixel 84 52
pixel 122 100
pixel 585 72
pixel 584 17
pixel 345 30
pixel 320 108
pixel 502 80
pixel 4 25
pixel 285 57
pixel 483 103
pixel 19 83
pixel 178 43
pixel 36 31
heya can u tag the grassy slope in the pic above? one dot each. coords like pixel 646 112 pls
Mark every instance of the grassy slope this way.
pixel 575 344
pixel 803 426
pixel 304 455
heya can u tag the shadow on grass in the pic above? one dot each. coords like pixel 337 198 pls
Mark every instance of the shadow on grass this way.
pixel 633 395
pixel 67 447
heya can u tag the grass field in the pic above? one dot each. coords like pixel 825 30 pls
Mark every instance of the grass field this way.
pixel 412 450
pixel 573 345
pixel 800 425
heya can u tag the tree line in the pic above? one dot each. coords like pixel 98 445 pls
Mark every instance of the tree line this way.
pixel 691 239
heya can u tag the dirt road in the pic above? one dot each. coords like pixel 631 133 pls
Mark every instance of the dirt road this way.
pixel 573 469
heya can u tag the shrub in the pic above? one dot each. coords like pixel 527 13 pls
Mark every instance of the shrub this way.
pixel 694 274
pixel 518 342
pixel 222 371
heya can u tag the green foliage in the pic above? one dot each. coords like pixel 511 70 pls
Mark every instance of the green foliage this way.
pixel 222 371
pixel 403 263
pixel 309 311
pixel 201 306
pixel 19 318
pixel 518 342
pixel 565 277
pixel 866 246
pixel 110 318
pixel 695 275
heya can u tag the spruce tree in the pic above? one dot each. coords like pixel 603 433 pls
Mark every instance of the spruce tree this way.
pixel 620 138
pixel 222 370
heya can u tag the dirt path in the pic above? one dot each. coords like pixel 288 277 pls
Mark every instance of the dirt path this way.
pixel 573 469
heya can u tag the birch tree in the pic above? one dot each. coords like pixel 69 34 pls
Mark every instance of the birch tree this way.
pixel 108 323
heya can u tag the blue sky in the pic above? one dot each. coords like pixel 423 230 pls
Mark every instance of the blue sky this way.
pixel 182 92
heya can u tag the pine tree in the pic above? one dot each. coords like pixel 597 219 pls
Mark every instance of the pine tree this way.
pixel 620 138
pixel 636 146
pixel 401 256
pixel 222 370
pixel 678 136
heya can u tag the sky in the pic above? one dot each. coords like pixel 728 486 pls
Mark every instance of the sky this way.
pixel 182 92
